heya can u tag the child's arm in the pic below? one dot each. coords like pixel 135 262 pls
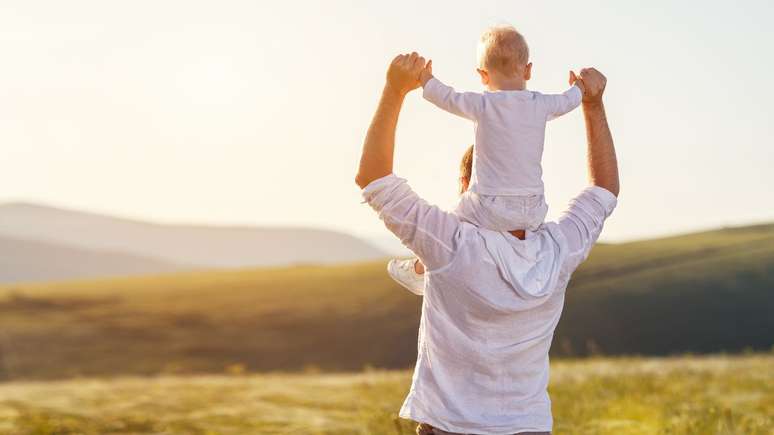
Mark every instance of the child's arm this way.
pixel 465 104
pixel 558 105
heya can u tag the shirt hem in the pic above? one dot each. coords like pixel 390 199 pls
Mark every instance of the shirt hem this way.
pixel 412 415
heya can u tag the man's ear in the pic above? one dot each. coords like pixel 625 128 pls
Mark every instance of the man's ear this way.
pixel 484 76
pixel 528 71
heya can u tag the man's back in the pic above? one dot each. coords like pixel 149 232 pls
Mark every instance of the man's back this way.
pixel 482 363
pixel 491 305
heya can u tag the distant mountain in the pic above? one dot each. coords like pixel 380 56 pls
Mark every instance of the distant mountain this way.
pixel 391 245
pixel 704 292
pixel 27 261
pixel 199 246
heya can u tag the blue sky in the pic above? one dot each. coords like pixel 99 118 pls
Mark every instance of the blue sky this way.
pixel 254 113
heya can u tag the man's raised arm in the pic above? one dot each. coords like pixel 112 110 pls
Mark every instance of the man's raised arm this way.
pixel 603 165
pixel 431 233
pixel 582 222
pixel 379 146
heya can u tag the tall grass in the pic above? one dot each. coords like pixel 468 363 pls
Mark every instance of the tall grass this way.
pixel 686 395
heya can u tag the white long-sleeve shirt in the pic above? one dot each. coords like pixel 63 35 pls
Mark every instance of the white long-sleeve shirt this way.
pixel 510 131
pixel 491 304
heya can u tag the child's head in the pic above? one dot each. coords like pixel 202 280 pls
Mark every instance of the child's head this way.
pixel 503 54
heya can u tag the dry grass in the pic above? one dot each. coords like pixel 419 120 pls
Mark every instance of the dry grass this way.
pixel 686 395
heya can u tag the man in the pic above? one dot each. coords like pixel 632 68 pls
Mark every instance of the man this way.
pixel 492 299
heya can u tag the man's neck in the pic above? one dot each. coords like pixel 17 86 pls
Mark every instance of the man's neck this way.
pixel 519 234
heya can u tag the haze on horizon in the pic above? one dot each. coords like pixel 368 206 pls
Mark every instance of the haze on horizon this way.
pixel 254 113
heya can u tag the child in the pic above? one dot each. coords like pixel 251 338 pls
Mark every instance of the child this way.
pixel 506 187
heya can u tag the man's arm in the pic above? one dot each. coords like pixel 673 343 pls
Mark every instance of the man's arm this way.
pixel 379 147
pixel 431 233
pixel 582 222
pixel 602 162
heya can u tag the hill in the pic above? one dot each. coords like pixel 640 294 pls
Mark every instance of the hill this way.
pixel 27 260
pixel 198 246
pixel 703 292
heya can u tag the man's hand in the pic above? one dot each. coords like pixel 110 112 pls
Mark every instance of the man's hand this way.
pixel 427 73
pixel 403 73
pixel 425 429
pixel 379 146
pixel 593 85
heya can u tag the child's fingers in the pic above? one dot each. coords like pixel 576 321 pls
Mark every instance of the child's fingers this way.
pixel 573 78
pixel 424 429
pixel 426 71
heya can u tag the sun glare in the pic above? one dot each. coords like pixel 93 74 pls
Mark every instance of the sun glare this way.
pixel 210 81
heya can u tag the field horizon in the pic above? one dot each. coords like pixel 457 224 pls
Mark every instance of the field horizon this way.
pixel 698 293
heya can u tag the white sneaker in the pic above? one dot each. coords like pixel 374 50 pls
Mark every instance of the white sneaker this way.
pixel 403 272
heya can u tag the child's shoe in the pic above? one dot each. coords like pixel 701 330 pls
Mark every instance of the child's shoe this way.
pixel 403 272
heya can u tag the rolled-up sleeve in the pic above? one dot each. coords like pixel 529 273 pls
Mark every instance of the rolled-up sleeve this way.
pixel 428 231
pixel 583 220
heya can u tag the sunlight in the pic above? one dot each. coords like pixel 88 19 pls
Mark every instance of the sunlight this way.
pixel 212 80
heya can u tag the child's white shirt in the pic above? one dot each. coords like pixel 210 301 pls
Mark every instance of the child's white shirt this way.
pixel 509 133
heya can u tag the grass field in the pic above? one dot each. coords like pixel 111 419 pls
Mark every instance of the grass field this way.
pixel 681 395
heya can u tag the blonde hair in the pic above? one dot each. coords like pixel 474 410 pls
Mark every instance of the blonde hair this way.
pixel 504 49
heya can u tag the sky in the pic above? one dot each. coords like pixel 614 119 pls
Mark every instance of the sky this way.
pixel 254 113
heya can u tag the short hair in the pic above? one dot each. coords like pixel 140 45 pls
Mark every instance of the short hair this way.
pixel 502 48
pixel 466 165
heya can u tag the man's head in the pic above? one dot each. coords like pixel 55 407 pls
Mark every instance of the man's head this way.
pixel 466 169
pixel 503 53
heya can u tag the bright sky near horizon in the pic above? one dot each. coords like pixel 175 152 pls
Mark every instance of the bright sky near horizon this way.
pixel 247 112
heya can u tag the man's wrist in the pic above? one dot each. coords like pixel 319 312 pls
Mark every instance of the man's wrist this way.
pixel 392 91
pixel 593 105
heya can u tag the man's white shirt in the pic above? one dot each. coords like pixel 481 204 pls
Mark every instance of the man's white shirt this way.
pixel 491 304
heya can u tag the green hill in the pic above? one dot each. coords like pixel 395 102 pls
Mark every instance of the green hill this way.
pixel 705 292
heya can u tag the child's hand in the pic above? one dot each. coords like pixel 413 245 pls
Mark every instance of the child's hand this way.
pixel 427 73
pixel 575 80
pixel 425 429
